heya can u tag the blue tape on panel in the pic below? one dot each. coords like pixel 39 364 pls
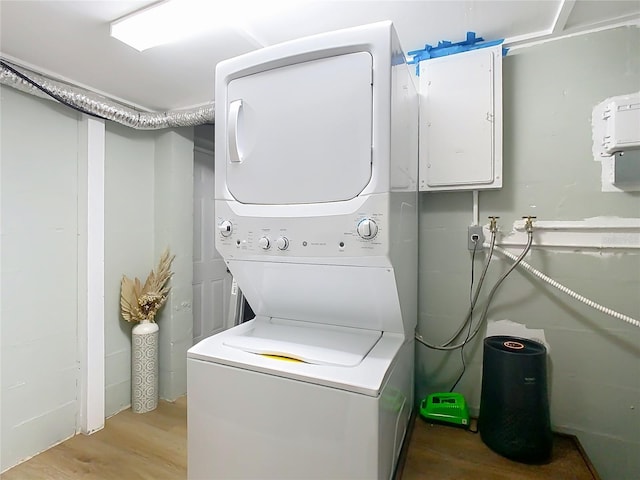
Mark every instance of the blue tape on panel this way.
pixel 446 47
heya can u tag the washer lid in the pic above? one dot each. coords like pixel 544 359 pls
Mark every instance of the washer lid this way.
pixel 319 345
pixel 367 377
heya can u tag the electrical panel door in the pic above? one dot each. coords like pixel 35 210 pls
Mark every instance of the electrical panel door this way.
pixel 461 121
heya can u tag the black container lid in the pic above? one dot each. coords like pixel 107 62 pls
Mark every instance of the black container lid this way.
pixel 515 345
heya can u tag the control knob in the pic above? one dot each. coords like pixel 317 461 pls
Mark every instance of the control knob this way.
pixel 282 243
pixel 226 228
pixel 367 228
pixel 264 243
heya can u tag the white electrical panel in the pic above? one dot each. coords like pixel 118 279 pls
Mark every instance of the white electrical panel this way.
pixel 461 121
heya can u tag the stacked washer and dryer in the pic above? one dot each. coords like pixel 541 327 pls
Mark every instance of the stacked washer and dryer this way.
pixel 316 205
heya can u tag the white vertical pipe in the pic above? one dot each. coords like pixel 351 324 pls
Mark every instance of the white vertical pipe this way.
pixel 476 208
pixel 91 154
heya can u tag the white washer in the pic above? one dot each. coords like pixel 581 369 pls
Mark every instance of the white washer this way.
pixel 265 417
pixel 316 206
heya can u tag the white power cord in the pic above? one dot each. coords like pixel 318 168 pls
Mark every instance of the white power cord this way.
pixel 568 291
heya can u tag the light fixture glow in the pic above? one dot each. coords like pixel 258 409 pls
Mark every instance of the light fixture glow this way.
pixel 173 20
pixel 164 22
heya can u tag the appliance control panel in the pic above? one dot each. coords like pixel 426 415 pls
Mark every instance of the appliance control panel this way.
pixel 364 233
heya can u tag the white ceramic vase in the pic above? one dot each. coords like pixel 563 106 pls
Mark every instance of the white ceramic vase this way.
pixel 144 367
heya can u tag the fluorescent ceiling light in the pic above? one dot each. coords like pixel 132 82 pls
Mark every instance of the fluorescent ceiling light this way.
pixel 163 22
pixel 173 20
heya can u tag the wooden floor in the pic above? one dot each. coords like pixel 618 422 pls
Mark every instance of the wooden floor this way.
pixel 447 453
pixel 153 446
pixel 132 446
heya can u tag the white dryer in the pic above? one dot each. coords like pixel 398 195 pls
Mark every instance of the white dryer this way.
pixel 316 206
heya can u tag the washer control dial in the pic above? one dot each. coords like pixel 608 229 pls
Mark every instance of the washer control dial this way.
pixel 282 243
pixel 367 228
pixel 264 243
pixel 226 228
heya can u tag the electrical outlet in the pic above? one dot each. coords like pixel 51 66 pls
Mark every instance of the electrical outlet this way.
pixel 475 238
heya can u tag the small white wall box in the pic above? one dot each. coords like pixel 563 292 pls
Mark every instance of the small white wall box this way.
pixel 622 117
pixel 616 142
pixel 461 121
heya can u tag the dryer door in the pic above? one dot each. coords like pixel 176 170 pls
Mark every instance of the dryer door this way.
pixel 301 133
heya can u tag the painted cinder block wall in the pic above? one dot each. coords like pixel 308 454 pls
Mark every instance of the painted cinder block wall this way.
pixel 148 206
pixel 550 90
pixel 129 218
pixel 39 275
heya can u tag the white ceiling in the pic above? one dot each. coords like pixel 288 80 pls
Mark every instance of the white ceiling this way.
pixel 70 39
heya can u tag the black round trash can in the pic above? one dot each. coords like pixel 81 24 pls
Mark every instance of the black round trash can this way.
pixel 514 406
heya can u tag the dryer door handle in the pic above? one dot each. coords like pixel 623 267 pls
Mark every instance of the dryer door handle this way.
pixel 235 108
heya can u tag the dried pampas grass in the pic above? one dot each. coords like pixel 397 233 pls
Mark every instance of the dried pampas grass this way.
pixel 142 302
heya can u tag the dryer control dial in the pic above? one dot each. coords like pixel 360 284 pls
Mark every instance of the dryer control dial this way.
pixel 264 243
pixel 367 228
pixel 226 228
pixel 282 243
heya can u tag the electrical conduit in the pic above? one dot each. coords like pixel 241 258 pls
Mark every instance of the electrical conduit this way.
pixel 98 106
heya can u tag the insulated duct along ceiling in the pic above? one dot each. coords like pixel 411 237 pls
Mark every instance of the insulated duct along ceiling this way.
pixel 99 106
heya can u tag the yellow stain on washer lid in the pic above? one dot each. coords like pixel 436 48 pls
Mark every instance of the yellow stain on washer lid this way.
pixel 283 358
